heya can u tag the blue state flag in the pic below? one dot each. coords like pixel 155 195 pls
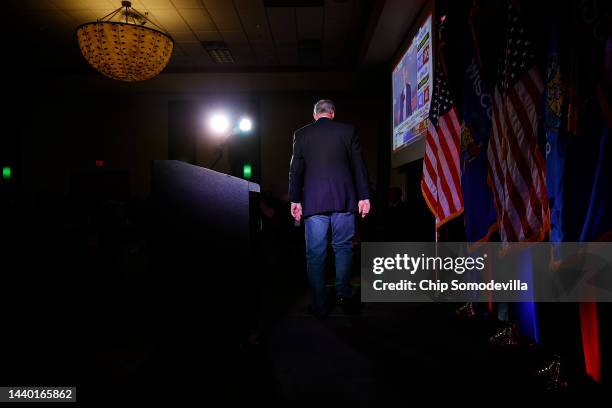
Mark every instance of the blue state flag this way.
pixel 598 222
pixel 577 121
pixel 477 113
pixel 578 171
pixel 557 139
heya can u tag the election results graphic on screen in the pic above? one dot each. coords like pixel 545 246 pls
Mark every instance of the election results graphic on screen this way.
pixel 412 87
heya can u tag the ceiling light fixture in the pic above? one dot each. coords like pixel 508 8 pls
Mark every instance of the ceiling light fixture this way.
pixel 120 46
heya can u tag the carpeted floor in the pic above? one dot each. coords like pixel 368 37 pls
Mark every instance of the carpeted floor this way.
pixel 397 354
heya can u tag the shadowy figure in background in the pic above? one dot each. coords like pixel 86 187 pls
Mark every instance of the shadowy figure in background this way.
pixel 396 219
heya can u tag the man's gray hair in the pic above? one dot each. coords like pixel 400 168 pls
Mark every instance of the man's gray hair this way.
pixel 324 106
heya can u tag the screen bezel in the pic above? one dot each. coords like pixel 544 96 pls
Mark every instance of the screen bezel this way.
pixel 415 149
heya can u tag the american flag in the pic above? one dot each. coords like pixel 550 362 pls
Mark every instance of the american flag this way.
pixel 441 182
pixel 516 166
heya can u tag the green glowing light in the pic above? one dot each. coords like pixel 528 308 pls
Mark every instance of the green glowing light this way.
pixel 246 171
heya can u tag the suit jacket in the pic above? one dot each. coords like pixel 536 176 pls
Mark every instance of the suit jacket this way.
pixel 327 172
pixel 408 102
pixel 402 105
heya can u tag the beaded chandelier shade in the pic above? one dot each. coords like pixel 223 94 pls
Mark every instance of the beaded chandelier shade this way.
pixel 122 48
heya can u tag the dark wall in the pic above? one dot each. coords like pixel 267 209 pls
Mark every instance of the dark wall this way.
pixel 75 120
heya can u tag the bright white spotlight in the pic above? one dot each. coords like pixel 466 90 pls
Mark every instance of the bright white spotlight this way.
pixel 245 124
pixel 219 123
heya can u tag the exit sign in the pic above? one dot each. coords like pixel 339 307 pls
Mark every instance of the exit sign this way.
pixel 247 171
pixel 6 172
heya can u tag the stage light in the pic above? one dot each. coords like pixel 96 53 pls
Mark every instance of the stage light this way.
pixel 247 171
pixel 6 173
pixel 219 123
pixel 245 124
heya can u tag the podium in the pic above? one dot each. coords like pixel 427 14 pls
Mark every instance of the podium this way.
pixel 208 206
pixel 204 249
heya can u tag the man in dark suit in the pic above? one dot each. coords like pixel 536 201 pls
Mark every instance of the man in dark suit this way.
pixel 328 184
pixel 405 96
pixel 408 96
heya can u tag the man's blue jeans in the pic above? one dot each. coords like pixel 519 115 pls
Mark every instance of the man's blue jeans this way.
pixel 343 229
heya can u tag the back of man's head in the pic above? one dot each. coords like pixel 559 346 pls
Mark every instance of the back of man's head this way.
pixel 324 108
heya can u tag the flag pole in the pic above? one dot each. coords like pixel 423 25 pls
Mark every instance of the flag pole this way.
pixel 439 55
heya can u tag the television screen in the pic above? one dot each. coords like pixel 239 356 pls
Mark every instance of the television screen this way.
pixel 412 80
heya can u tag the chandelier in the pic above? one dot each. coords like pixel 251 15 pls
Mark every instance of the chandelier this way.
pixel 122 48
